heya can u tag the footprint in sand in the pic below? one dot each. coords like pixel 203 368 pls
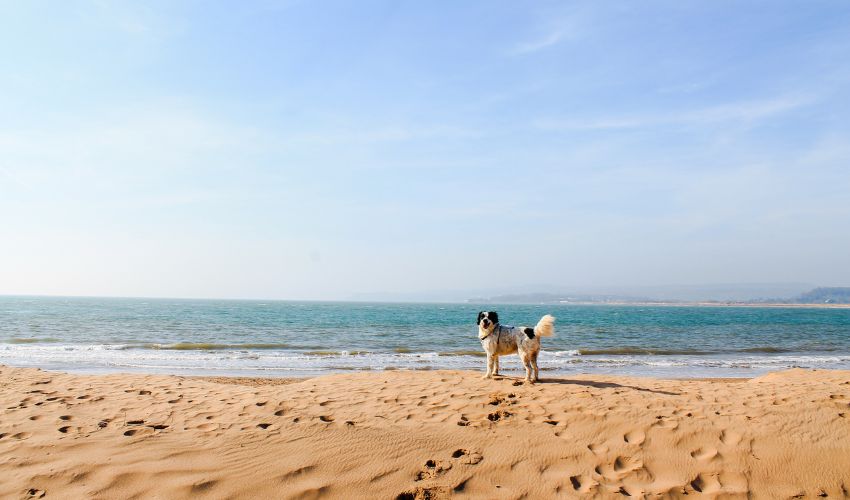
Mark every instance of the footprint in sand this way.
pixel 563 434
pixel 730 438
pixel 496 399
pixel 598 449
pixel 669 424
pixel 143 431
pixel 619 468
pixel 467 457
pixel 704 454
pixel 35 493
pixel 582 483
pixel 705 483
pixel 427 493
pixel 433 469
pixel 65 417
pixel 264 425
pixel 326 418
pixel 498 415
pixel 636 437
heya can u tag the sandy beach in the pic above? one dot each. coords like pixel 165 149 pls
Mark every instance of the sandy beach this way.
pixel 423 434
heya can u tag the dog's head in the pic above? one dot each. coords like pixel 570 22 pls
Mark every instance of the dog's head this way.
pixel 487 320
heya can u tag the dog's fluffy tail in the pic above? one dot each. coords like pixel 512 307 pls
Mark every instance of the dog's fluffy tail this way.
pixel 546 326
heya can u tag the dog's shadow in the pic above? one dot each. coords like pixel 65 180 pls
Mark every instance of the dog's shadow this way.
pixel 604 385
pixel 588 383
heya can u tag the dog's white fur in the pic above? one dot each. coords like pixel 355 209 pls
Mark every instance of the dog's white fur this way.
pixel 499 340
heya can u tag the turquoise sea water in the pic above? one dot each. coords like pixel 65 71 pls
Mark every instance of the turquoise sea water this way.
pixel 270 338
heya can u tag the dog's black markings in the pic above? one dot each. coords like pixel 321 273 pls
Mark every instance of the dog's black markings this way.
pixel 529 332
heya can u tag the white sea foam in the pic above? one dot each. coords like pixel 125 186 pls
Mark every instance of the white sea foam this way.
pixel 104 357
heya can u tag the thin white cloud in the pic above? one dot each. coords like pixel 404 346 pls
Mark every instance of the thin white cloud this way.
pixel 537 45
pixel 382 134
pixel 556 29
pixel 746 112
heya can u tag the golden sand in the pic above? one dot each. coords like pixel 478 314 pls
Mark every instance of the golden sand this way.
pixel 438 434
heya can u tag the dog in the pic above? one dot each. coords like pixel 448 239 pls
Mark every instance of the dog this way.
pixel 500 340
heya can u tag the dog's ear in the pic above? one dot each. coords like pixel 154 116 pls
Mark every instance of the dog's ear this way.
pixel 494 316
pixel 480 315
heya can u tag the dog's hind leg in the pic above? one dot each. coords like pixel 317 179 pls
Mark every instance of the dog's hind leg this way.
pixel 526 360
pixel 536 369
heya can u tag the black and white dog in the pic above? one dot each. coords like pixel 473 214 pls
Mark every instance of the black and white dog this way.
pixel 500 340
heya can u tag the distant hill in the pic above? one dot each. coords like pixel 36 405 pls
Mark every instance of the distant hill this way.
pixel 673 294
pixel 718 294
pixel 825 295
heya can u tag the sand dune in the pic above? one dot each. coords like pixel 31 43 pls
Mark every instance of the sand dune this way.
pixel 404 434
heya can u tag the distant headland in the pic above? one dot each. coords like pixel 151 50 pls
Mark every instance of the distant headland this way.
pixel 817 297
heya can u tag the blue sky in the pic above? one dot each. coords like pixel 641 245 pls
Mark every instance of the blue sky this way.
pixel 325 150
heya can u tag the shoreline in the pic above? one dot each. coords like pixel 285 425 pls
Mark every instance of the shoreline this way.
pixel 422 434
pixel 517 374
pixel 511 368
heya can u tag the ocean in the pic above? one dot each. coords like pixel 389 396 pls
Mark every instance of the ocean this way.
pixel 285 339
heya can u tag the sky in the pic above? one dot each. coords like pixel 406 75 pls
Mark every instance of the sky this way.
pixel 335 150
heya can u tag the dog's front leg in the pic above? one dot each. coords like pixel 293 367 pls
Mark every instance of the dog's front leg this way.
pixel 490 362
pixel 496 365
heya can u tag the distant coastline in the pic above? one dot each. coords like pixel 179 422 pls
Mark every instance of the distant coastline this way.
pixel 821 297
